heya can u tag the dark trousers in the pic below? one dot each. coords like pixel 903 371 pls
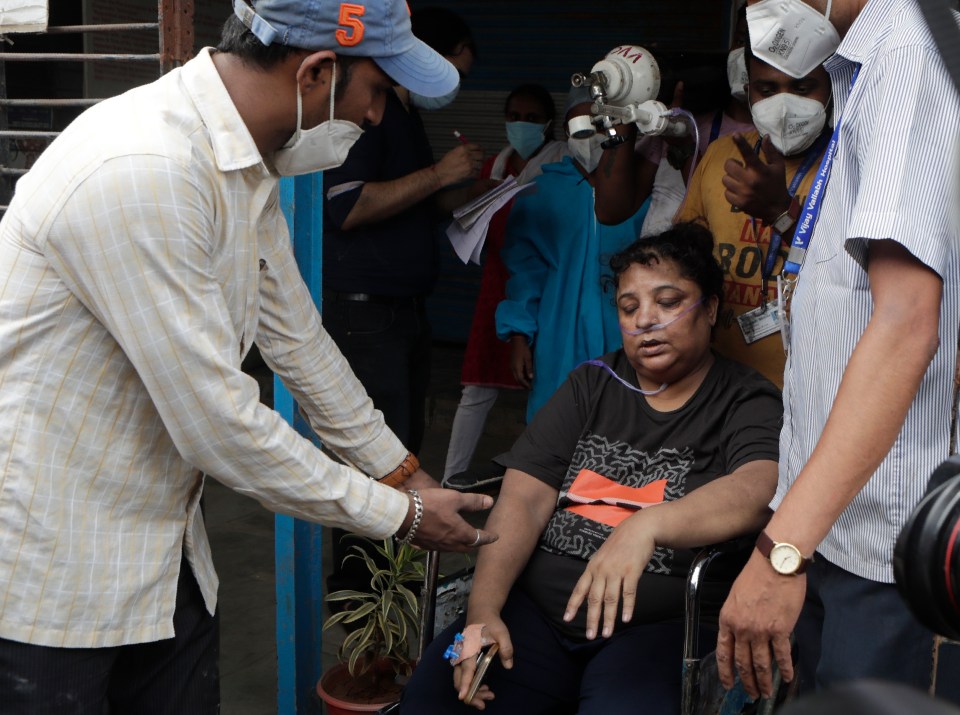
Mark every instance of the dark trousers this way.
pixel 637 670
pixel 388 347
pixel 853 628
pixel 179 676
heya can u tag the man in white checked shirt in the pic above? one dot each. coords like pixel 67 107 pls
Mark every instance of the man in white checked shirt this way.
pixel 139 260
pixel 868 387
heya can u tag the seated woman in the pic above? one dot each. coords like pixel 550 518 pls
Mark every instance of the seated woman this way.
pixel 640 457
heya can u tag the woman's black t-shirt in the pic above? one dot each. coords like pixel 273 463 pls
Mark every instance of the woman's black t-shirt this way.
pixel 608 453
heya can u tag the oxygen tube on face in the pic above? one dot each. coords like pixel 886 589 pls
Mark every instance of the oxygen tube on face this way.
pixel 641 331
pixel 661 326
pixel 648 393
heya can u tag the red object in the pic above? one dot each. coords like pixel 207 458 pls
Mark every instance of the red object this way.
pixel 946 565
pixel 335 706
pixel 486 360
pixel 601 499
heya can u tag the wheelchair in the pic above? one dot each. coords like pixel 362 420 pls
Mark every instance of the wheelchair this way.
pixel 701 692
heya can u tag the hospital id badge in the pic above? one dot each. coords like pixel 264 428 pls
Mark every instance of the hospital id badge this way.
pixel 759 323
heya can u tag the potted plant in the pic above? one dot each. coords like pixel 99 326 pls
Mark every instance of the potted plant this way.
pixel 382 623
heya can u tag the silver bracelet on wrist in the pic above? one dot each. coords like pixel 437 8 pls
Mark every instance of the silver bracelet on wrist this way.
pixel 417 517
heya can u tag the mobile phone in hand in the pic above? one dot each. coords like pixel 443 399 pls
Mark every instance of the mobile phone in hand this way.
pixel 484 659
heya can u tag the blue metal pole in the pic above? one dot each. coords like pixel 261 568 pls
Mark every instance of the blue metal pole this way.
pixel 298 544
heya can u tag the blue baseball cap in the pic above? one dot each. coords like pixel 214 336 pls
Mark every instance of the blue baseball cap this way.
pixel 378 29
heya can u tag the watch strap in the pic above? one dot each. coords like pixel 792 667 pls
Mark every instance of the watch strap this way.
pixel 401 474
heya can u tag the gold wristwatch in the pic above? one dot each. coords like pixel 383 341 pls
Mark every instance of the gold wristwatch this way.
pixel 782 223
pixel 785 558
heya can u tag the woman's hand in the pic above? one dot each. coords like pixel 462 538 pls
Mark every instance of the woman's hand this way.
pixel 521 360
pixel 494 631
pixel 615 568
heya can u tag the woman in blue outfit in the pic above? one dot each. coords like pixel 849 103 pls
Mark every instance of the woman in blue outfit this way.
pixel 556 313
pixel 640 457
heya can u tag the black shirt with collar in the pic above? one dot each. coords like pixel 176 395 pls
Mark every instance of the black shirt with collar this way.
pixel 394 257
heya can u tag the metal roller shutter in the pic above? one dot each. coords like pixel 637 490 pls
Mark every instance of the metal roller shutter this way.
pixel 546 42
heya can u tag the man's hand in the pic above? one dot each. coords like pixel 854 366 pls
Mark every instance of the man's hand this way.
pixel 614 569
pixel 494 631
pixel 755 625
pixel 442 528
pixel 420 480
pixel 756 187
pixel 459 164
pixel 521 360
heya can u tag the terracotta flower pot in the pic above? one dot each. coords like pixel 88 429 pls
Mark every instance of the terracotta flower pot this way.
pixel 343 695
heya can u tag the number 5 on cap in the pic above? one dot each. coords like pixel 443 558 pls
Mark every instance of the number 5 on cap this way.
pixel 350 18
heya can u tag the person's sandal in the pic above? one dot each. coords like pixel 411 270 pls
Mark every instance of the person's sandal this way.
pixel 483 478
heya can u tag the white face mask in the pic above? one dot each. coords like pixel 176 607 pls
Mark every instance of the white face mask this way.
pixel 791 36
pixel 737 74
pixel 587 152
pixel 792 122
pixel 324 146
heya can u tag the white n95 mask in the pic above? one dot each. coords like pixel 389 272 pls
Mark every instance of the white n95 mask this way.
pixel 791 36
pixel 792 122
pixel 737 76
pixel 587 152
pixel 324 146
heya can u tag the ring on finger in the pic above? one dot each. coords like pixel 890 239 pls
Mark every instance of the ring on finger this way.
pixel 477 541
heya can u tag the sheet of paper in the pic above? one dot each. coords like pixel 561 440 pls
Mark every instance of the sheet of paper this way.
pixel 468 214
pixel 23 15
pixel 468 230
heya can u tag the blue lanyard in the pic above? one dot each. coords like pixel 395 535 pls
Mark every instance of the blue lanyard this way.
pixel 775 238
pixel 811 210
pixel 715 127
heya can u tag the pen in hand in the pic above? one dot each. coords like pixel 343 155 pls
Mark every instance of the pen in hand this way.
pixel 460 138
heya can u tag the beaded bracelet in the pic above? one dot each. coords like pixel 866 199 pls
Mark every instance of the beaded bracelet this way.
pixel 398 476
pixel 417 517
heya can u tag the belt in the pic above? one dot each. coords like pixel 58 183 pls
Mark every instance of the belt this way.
pixel 414 301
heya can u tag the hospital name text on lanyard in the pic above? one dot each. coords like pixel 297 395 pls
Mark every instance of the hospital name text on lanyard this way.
pixel 802 236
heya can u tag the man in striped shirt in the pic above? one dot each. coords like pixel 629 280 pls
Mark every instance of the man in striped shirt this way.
pixel 139 260
pixel 873 346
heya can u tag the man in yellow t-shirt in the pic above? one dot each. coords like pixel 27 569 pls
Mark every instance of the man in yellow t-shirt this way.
pixel 747 191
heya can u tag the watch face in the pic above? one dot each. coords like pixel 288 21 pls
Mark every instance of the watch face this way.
pixel 783 223
pixel 785 558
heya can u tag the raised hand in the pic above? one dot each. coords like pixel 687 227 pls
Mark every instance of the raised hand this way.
pixel 459 164
pixel 755 186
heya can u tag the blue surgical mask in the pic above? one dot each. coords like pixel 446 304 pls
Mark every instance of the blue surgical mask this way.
pixel 433 103
pixel 525 137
